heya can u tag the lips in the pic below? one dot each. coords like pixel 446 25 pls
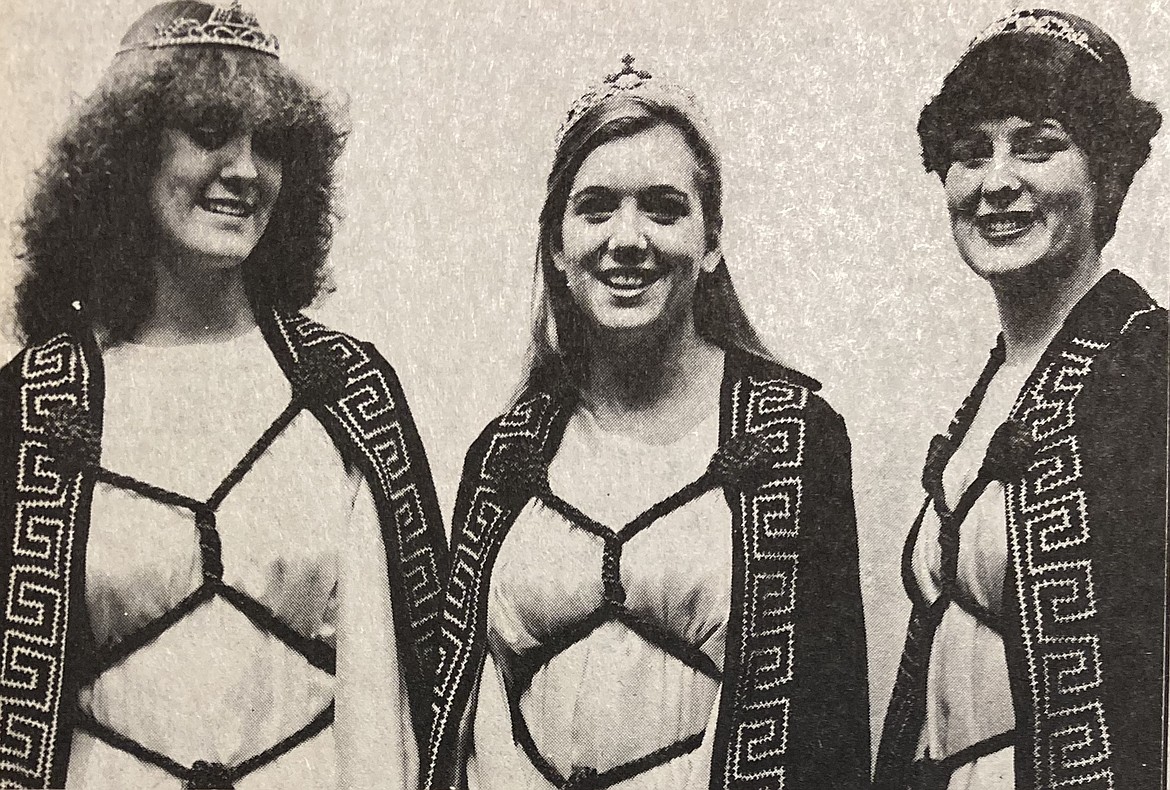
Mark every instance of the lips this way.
pixel 1001 226
pixel 630 280
pixel 228 207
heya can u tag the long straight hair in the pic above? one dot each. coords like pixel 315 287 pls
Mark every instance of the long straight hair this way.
pixel 557 347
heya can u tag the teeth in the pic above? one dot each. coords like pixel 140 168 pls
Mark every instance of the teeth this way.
pixel 628 280
pixel 231 208
pixel 1004 224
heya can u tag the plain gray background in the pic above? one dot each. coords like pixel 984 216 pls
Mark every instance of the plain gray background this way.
pixel 836 238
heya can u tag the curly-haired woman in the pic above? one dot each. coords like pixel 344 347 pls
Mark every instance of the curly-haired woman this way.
pixel 220 541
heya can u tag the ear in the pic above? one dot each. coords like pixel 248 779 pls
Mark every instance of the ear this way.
pixel 712 257
pixel 558 260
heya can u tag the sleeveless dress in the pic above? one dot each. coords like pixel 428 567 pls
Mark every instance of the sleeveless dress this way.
pixel 290 672
pixel 609 700
pixel 968 691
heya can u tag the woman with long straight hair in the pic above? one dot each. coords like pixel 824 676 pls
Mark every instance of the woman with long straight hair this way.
pixel 655 580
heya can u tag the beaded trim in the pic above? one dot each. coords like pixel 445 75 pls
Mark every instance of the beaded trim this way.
pixel 1034 22
pixel 631 82
pixel 228 26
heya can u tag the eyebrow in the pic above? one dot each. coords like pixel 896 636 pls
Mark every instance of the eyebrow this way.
pixel 655 189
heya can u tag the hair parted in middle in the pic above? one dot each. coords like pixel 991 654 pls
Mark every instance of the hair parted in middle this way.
pixel 556 349
pixel 88 232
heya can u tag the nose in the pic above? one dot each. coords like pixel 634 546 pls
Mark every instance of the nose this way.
pixel 1001 182
pixel 240 162
pixel 627 243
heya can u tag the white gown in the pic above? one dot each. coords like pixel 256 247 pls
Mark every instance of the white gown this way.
pixel 613 696
pixel 968 693
pixel 299 533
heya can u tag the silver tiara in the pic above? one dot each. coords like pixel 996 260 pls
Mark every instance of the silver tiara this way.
pixel 1039 23
pixel 632 82
pixel 227 25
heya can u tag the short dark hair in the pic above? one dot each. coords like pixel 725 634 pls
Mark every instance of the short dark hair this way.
pixel 88 232
pixel 1036 77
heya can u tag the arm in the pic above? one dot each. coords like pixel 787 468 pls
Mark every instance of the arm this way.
pixel 375 735
pixel 831 711
pixel 1124 414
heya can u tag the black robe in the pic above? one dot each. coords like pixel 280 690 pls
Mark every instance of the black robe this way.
pixel 794 707
pixel 1085 492
pixel 51 398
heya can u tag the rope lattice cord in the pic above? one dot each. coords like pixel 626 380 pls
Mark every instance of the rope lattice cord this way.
pixel 936 773
pixel 613 607
pixel 316 652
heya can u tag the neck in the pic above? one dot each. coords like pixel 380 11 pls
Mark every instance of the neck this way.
pixel 1033 306
pixel 636 374
pixel 193 303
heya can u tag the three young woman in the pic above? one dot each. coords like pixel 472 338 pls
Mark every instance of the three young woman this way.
pixel 221 543
pixel 219 539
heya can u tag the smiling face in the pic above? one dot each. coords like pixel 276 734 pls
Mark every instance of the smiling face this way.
pixel 1021 198
pixel 213 193
pixel 633 234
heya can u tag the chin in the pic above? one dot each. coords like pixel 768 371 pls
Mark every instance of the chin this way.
pixel 626 326
pixel 218 253
pixel 1027 264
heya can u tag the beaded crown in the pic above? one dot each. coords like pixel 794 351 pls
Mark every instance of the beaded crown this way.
pixel 1040 23
pixel 633 82
pixel 199 23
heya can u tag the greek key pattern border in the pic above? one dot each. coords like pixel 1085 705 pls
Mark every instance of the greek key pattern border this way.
pixel 488 517
pixel 36 607
pixel 1049 534
pixel 770 515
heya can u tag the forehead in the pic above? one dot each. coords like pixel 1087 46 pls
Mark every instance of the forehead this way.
pixel 1007 126
pixel 659 156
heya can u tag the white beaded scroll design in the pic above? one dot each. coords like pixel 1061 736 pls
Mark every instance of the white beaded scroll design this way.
pixel 771 520
pixel 1049 530
pixel 371 418
pixel 525 424
pixel 53 374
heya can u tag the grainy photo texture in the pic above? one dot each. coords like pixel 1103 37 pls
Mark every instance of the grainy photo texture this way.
pixel 513 395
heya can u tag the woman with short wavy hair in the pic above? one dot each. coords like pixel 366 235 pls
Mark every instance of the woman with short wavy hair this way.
pixel 1037 567
pixel 217 524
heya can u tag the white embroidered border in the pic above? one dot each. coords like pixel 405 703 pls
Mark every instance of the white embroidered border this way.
pixel 37 601
pixel 468 572
pixel 1058 602
pixel 771 518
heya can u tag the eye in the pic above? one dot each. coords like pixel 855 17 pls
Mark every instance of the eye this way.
pixel 270 143
pixel 665 208
pixel 208 135
pixel 1040 147
pixel 595 207
pixel 970 151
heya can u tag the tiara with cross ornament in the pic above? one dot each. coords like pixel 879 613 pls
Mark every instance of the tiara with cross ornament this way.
pixel 199 23
pixel 632 82
pixel 1040 23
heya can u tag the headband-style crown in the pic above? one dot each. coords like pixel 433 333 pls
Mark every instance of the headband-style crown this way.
pixel 633 82
pixel 199 23
pixel 1040 23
